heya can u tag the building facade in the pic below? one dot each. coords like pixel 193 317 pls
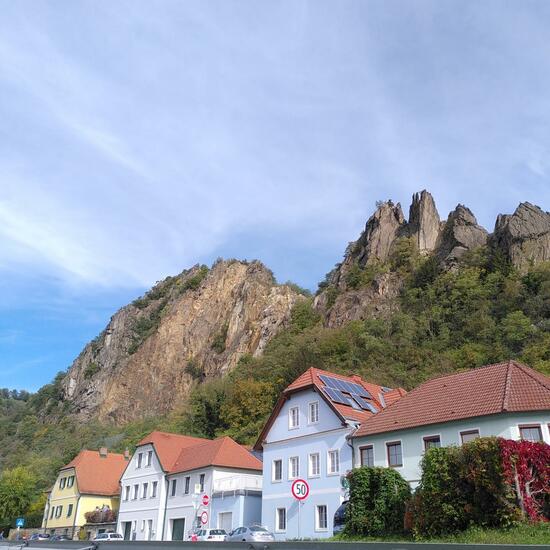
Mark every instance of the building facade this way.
pixel 174 484
pixel 507 400
pixel 87 485
pixel 307 438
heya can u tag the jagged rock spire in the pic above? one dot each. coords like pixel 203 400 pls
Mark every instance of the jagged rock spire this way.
pixel 424 225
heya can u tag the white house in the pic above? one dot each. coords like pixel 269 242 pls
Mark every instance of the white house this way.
pixel 306 437
pixel 169 478
pixel 507 399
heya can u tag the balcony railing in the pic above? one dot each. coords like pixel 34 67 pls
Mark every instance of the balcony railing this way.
pixel 238 482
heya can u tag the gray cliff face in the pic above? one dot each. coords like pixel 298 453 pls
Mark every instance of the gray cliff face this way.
pixel 424 225
pixel 524 236
pixel 460 233
pixel 193 326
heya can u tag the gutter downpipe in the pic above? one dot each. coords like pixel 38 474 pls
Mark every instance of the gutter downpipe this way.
pixel 166 487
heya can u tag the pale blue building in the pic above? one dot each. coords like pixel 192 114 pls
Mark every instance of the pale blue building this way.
pixel 308 437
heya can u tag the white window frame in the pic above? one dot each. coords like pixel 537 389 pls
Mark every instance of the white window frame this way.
pixel 290 459
pixel 139 460
pixel 273 480
pixel 202 482
pixel 174 487
pixel 318 528
pixel 310 473
pixel 144 489
pixel 394 442
pixel 136 491
pixel 187 485
pixel 127 489
pixel 460 432
pixel 337 472
pixel 154 488
pixel 148 459
pixel 292 426
pixel 70 482
pixel 309 406
pixel 277 530
pixel 361 449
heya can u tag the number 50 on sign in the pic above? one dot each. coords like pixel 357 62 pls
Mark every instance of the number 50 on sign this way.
pixel 300 489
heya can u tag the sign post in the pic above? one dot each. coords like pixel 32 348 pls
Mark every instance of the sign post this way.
pixel 300 491
pixel 19 522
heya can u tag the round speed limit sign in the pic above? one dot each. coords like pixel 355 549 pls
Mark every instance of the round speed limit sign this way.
pixel 300 489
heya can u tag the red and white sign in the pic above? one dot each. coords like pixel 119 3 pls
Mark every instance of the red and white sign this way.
pixel 300 489
pixel 204 518
pixel 205 500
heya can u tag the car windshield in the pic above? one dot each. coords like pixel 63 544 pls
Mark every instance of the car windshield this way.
pixel 116 536
pixel 256 528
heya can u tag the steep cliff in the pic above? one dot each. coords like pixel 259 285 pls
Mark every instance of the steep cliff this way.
pixel 193 326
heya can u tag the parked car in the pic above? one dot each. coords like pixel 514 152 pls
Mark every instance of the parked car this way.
pixel 212 534
pixel 56 538
pixel 40 536
pixel 340 518
pixel 109 536
pixel 254 533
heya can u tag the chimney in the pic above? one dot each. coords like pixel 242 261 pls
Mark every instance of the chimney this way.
pixel 126 454
pixel 103 452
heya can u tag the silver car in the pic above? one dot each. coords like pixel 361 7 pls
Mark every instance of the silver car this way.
pixel 254 533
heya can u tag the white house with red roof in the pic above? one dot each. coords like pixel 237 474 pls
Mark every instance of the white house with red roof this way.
pixel 176 483
pixel 507 399
pixel 307 438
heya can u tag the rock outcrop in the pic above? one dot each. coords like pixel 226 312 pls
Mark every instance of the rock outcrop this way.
pixel 193 326
pixel 424 225
pixel 460 233
pixel 524 236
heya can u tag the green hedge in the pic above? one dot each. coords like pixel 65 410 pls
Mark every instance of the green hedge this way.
pixel 461 487
pixel 377 501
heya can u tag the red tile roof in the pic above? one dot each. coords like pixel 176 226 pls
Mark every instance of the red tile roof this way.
pixel 222 452
pixel 169 446
pixel 310 378
pixel 96 474
pixel 492 389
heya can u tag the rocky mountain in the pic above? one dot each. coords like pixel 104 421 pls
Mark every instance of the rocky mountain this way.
pixel 363 285
pixel 194 326
pixel 197 325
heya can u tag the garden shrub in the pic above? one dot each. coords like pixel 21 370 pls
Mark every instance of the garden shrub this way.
pixel 378 497
pixel 488 482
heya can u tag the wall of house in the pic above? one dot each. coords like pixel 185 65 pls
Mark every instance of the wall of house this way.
pixel 282 443
pixel 189 505
pixel 137 511
pixel 62 497
pixel 412 440
pixel 246 509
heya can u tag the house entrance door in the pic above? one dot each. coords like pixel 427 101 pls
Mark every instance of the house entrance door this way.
pixel 178 528
pixel 225 521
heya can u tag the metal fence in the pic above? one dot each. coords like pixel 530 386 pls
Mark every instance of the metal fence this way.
pixel 290 545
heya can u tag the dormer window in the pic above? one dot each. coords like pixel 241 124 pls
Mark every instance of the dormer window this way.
pixel 139 459
pixel 293 418
pixel 62 482
pixel 149 458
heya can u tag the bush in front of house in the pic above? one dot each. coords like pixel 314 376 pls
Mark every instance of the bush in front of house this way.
pixel 489 482
pixel 377 501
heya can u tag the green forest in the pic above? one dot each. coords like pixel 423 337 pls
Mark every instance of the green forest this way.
pixel 480 312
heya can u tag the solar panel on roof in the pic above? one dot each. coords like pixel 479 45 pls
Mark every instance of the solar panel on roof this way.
pixel 344 385
pixel 354 403
pixel 364 404
pixel 336 396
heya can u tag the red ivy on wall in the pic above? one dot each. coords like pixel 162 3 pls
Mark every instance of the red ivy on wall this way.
pixel 526 467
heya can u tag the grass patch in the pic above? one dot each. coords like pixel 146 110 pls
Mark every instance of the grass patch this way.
pixel 538 533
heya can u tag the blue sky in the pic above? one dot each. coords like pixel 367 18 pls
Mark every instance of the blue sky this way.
pixel 141 137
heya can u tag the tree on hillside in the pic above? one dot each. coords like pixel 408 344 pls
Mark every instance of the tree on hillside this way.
pixel 17 491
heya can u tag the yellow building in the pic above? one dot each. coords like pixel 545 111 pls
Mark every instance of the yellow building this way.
pixel 88 485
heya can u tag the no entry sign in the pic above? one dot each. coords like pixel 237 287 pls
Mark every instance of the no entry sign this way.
pixel 205 500
pixel 300 489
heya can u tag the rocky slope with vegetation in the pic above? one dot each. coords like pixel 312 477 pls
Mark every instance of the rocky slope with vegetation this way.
pixel 192 327
pixel 206 352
